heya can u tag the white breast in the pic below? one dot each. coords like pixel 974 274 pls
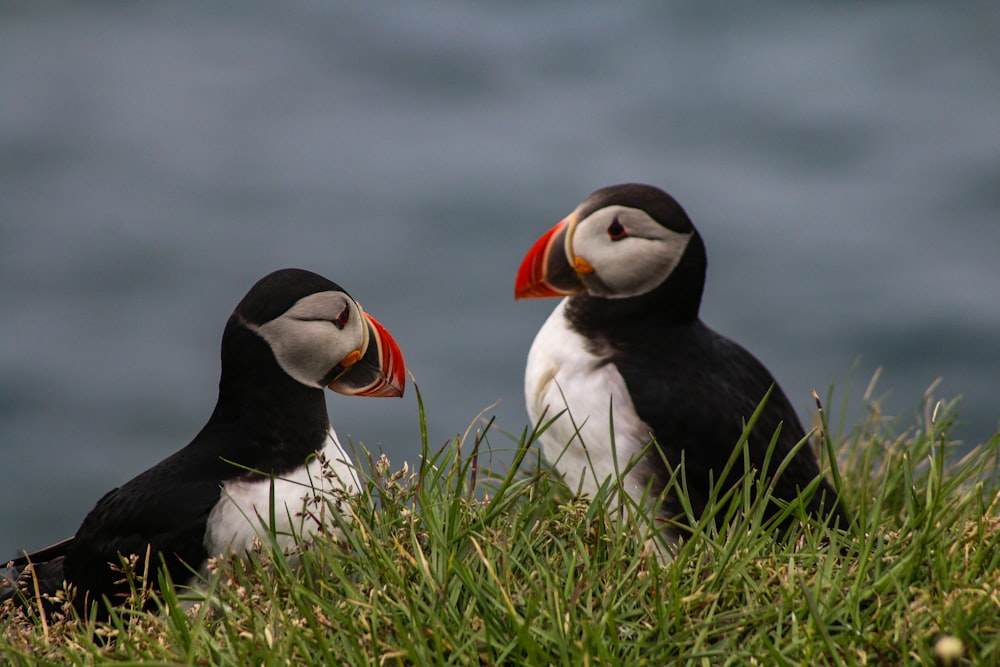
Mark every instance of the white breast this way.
pixel 562 374
pixel 301 503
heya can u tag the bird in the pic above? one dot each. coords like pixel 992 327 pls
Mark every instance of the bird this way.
pixel 634 382
pixel 292 335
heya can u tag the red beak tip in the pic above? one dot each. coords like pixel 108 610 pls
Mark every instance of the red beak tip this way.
pixel 532 282
pixel 393 368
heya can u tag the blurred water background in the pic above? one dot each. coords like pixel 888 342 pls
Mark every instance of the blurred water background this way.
pixel 842 161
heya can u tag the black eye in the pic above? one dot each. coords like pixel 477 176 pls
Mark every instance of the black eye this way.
pixel 342 319
pixel 616 230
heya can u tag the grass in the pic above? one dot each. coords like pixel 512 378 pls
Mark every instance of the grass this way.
pixel 451 564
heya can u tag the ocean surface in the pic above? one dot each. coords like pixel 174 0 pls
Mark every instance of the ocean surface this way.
pixel 842 162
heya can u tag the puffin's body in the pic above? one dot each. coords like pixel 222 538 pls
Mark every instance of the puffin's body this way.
pixel 625 353
pixel 293 334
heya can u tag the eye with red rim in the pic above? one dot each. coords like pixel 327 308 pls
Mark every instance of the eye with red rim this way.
pixel 341 320
pixel 616 231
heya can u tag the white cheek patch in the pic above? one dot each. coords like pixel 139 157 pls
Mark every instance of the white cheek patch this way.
pixel 305 341
pixel 638 265
pixel 633 265
pixel 295 347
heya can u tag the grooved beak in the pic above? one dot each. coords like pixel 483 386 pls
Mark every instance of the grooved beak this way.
pixel 379 371
pixel 546 269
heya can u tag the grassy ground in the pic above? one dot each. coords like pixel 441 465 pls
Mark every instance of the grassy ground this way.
pixel 451 565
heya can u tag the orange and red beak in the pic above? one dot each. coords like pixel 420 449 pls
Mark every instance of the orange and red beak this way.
pixel 547 269
pixel 378 370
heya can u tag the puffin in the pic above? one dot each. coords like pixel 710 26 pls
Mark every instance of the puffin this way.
pixel 636 386
pixel 294 334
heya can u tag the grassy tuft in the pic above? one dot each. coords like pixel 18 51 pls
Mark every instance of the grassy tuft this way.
pixel 453 564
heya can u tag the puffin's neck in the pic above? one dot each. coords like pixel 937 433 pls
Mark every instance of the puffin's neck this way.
pixel 278 420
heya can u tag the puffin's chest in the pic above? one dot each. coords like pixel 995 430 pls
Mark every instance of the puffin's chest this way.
pixel 300 503
pixel 599 433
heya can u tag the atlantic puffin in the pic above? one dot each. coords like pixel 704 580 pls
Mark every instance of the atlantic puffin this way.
pixel 626 349
pixel 292 335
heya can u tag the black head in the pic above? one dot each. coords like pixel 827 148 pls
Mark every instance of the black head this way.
pixel 316 334
pixel 276 292
pixel 623 242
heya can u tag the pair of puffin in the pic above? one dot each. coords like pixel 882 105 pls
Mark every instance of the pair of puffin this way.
pixel 643 385
pixel 292 335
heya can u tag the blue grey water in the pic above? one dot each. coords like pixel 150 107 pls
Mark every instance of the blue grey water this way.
pixel 842 161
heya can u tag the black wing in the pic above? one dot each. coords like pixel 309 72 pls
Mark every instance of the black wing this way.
pixel 695 389
pixel 162 512
pixel 40 571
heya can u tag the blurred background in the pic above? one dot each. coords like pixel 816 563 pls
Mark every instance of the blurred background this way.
pixel 842 161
